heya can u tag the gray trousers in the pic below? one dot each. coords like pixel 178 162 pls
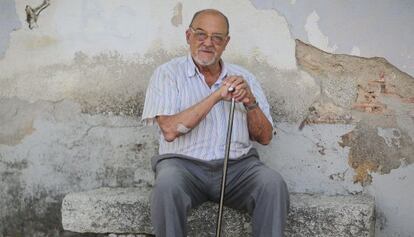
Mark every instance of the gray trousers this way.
pixel 184 182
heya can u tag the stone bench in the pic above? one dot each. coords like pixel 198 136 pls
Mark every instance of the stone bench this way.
pixel 126 210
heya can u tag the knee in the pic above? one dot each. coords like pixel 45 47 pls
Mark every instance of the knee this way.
pixel 273 184
pixel 168 182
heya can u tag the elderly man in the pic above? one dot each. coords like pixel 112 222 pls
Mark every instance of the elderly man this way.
pixel 188 99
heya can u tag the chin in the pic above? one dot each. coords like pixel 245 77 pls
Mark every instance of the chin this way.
pixel 205 62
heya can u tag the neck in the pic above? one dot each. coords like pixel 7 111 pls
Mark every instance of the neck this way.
pixel 211 73
pixel 210 70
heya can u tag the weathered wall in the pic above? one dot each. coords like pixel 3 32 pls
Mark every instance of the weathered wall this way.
pixel 71 90
pixel 8 22
pixel 363 28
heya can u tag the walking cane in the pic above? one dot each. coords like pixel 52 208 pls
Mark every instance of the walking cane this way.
pixel 226 159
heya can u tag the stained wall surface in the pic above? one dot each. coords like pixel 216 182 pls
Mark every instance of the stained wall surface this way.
pixel 72 90
pixel 363 28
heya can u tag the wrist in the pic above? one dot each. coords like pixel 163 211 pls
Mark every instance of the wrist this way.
pixel 251 105
pixel 252 102
pixel 216 96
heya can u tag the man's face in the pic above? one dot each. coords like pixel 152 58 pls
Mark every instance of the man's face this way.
pixel 207 37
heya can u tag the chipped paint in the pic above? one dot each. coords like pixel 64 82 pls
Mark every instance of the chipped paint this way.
pixel 377 98
pixel 376 149
pixel 391 136
pixel 355 51
pixel 346 24
pixel 70 121
pixel 68 151
pixel 363 171
pixel 96 26
pixel 315 36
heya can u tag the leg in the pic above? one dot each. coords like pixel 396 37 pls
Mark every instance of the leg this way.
pixel 263 192
pixel 176 190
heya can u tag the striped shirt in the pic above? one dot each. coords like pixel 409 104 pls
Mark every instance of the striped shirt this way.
pixel 177 85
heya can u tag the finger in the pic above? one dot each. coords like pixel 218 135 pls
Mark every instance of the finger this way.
pixel 245 100
pixel 237 91
pixel 238 81
pixel 234 81
pixel 240 96
pixel 241 86
pixel 230 79
pixel 224 90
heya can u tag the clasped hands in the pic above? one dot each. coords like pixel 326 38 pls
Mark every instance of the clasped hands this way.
pixel 241 93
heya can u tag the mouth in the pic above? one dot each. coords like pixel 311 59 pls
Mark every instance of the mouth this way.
pixel 206 51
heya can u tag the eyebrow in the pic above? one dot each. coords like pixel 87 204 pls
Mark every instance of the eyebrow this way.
pixel 221 34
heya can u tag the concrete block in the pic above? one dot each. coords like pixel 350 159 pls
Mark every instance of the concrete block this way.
pixel 126 210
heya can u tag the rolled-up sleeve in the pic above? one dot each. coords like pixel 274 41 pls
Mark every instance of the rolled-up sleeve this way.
pixel 161 97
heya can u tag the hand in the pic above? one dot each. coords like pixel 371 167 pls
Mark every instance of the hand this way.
pixel 242 92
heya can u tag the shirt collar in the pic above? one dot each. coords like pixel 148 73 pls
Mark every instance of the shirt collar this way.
pixel 192 69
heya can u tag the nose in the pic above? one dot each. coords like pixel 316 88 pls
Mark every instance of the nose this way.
pixel 207 41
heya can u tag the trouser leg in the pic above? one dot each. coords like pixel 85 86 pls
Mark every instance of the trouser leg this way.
pixel 175 191
pixel 263 192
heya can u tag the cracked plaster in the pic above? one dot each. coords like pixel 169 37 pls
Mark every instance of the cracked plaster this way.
pixel 375 98
pixel 75 124
pixel 69 151
pixel 369 28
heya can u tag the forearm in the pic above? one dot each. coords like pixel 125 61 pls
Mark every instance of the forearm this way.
pixel 260 129
pixel 173 126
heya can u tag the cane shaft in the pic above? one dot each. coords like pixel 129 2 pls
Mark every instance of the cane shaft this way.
pixel 226 159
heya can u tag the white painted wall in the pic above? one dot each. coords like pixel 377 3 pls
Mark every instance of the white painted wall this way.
pixel 33 69
pixel 130 29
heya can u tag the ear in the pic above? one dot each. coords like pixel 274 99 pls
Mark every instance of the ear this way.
pixel 187 35
pixel 227 41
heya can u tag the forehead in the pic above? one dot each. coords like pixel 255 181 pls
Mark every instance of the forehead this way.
pixel 211 22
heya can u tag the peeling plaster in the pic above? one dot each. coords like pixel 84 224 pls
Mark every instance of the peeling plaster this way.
pixel 366 24
pixel 377 149
pixel 348 74
pixel 69 120
pixel 9 22
pixel 391 136
pixel 68 151
pixel 315 36
pixel 104 83
pixel 405 112
pixel 110 83
pixel 374 99
pixel 356 51
pixel 95 26
pixel 312 160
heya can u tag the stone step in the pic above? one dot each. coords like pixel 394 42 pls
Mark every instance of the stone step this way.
pixel 126 210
